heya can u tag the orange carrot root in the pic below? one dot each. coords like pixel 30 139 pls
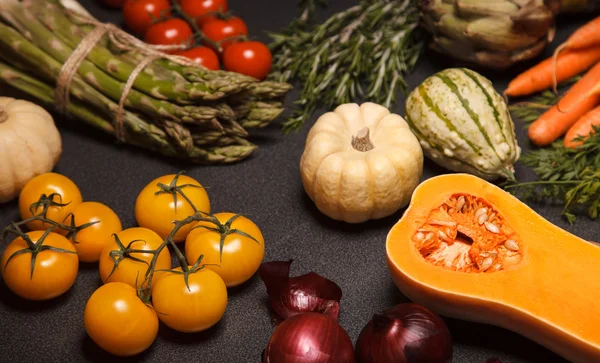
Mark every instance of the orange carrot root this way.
pixel 581 98
pixel 540 77
pixel 585 37
pixel 583 127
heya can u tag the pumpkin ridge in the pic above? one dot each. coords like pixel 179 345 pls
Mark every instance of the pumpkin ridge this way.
pixel 370 187
pixel 429 102
pixel 465 103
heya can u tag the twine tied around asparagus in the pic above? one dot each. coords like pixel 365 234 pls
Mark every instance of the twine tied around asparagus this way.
pixel 121 40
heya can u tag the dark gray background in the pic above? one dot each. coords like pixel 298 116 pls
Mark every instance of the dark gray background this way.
pixel 268 189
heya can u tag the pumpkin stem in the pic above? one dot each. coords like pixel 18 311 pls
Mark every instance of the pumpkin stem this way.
pixel 3 115
pixel 361 141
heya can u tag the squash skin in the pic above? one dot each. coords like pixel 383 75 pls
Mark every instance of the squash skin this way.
pixel 551 297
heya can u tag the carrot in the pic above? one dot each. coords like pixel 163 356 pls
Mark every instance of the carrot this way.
pixel 539 77
pixel 583 127
pixel 585 37
pixel 581 98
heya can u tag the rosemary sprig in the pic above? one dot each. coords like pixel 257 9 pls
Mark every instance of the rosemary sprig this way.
pixel 308 8
pixel 530 111
pixel 375 41
pixel 567 176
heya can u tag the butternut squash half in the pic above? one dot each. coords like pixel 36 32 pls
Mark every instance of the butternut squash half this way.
pixel 467 249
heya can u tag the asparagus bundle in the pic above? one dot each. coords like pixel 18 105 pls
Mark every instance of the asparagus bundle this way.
pixel 178 110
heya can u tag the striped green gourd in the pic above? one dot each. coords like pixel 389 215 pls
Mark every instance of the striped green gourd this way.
pixel 463 124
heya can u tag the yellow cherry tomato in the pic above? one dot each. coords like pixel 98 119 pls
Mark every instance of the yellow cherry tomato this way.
pixel 129 270
pixel 242 255
pixel 91 240
pixel 118 320
pixel 158 211
pixel 63 191
pixel 54 272
pixel 190 310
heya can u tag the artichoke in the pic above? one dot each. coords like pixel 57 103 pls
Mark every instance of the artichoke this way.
pixel 491 33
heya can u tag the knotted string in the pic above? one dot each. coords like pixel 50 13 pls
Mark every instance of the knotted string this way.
pixel 123 41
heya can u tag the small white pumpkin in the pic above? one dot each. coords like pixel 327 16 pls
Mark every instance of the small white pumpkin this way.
pixel 360 163
pixel 30 145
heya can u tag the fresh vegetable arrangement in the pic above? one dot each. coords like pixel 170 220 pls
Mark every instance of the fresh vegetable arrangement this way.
pixel 140 287
pixel 463 124
pixel 205 30
pixel 360 163
pixel 495 34
pixel 567 169
pixel 23 161
pixel 463 248
pixel 467 249
pixel 306 310
pixel 362 52
pixel 173 107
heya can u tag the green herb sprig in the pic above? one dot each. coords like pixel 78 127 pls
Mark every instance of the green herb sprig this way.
pixel 361 52
pixel 567 176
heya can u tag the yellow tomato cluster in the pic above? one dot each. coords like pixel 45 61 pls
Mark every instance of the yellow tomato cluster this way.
pixel 122 315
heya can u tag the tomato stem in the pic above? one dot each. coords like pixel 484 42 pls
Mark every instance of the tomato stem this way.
pixel 33 248
pixel 46 201
pixel 198 34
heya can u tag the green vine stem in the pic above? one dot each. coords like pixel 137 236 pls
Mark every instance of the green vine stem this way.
pixel 199 36
pixel 47 201
pixel 32 247
pixel 225 230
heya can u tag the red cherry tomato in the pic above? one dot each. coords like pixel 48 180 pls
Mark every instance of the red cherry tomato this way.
pixel 203 56
pixel 117 4
pixel 218 30
pixel 250 58
pixel 141 14
pixel 169 32
pixel 201 9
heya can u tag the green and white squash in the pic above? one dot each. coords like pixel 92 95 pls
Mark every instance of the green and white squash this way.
pixel 463 124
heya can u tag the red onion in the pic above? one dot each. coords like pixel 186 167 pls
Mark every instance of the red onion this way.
pixel 301 294
pixel 406 333
pixel 309 338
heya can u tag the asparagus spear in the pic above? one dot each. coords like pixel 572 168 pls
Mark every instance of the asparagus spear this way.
pixel 237 150
pixel 257 114
pixel 93 75
pixel 136 128
pixel 72 31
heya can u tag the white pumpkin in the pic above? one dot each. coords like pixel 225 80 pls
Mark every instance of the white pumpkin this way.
pixel 361 163
pixel 30 145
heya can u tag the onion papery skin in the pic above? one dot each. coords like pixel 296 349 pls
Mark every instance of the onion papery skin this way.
pixel 405 333
pixel 289 296
pixel 309 338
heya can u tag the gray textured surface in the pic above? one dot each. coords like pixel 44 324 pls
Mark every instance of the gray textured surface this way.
pixel 266 187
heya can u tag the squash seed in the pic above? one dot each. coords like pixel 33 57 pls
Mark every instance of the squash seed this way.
pixel 511 245
pixel 428 237
pixel 492 216
pixel 492 227
pixel 443 236
pixel 482 218
pixel 487 263
pixel 481 211
pixel 419 236
pixel 461 203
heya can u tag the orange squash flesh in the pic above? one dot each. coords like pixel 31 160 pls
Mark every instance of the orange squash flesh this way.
pixel 551 295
